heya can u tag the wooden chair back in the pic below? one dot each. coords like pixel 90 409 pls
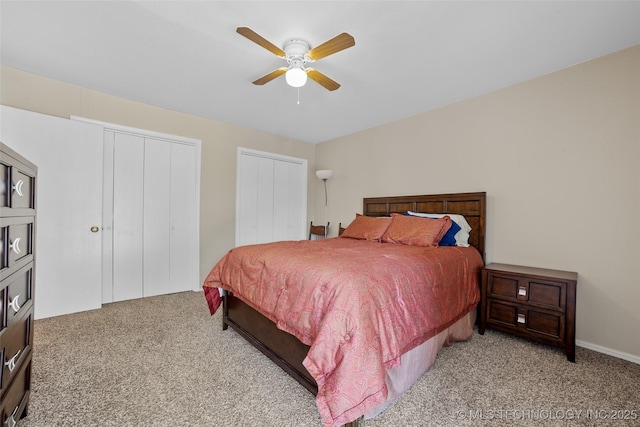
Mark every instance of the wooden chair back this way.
pixel 318 231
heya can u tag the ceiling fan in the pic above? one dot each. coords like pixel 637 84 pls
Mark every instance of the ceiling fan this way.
pixel 298 54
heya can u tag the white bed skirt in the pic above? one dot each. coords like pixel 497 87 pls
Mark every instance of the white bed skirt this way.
pixel 415 362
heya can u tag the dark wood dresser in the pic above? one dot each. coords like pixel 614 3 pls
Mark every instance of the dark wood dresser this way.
pixel 534 303
pixel 17 280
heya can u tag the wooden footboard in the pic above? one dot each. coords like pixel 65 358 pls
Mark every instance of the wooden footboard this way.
pixel 284 349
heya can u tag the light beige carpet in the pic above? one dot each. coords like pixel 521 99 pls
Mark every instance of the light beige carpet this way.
pixel 164 361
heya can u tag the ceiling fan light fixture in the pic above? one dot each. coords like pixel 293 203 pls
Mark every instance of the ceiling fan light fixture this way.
pixel 298 53
pixel 296 77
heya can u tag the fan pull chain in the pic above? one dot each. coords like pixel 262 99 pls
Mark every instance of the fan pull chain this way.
pixel 298 96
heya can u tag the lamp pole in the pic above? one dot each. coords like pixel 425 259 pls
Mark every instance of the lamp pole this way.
pixel 324 175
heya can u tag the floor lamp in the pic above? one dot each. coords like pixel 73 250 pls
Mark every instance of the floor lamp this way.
pixel 324 175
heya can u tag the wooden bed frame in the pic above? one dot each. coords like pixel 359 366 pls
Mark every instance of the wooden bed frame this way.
pixel 285 349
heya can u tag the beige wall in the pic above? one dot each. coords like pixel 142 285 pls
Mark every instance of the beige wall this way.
pixel 559 158
pixel 219 145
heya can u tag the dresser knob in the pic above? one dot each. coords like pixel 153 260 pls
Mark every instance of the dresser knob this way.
pixel 15 304
pixel 15 246
pixel 521 318
pixel 11 363
pixel 522 291
pixel 17 187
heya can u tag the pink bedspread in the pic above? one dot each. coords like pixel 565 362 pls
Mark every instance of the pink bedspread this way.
pixel 359 305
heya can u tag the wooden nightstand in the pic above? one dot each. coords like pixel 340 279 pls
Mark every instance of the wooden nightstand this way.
pixel 530 302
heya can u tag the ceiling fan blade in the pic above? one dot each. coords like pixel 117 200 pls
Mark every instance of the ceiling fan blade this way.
pixel 272 75
pixel 321 79
pixel 336 44
pixel 258 39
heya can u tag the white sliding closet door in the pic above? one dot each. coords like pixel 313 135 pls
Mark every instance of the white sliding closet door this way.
pixel 271 198
pixel 254 216
pixel 151 214
pixel 182 225
pixel 247 200
pixel 128 216
pixel 169 229
pixel 157 217
pixel 287 200
pixel 264 192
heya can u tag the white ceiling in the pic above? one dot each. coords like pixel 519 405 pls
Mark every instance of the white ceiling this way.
pixel 410 56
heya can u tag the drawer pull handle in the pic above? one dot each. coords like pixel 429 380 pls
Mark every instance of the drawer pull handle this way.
pixel 522 291
pixel 17 187
pixel 15 246
pixel 15 304
pixel 521 318
pixel 11 363
pixel 11 421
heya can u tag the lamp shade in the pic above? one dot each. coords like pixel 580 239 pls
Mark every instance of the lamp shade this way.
pixel 296 77
pixel 324 174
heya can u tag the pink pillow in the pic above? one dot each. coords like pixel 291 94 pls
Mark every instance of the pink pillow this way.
pixel 367 228
pixel 416 231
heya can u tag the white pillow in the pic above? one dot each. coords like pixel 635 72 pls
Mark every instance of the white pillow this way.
pixel 462 236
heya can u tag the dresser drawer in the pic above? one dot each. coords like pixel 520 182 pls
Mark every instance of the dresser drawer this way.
pixel 15 344
pixel 14 404
pixel 545 325
pixel 16 242
pixel 21 190
pixel 19 239
pixel 17 184
pixel 16 295
pixel 538 292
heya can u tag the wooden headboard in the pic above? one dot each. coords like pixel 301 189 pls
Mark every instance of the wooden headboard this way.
pixel 471 205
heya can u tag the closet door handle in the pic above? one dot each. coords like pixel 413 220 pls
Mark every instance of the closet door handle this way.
pixel 17 187
pixel 15 246
pixel 15 304
pixel 11 363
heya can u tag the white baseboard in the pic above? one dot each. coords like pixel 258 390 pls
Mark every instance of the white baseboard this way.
pixel 611 352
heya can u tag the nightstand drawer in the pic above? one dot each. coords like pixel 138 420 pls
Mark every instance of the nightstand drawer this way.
pixel 540 292
pixel 546 324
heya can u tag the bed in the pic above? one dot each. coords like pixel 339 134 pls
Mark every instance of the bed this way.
pixel 292 328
